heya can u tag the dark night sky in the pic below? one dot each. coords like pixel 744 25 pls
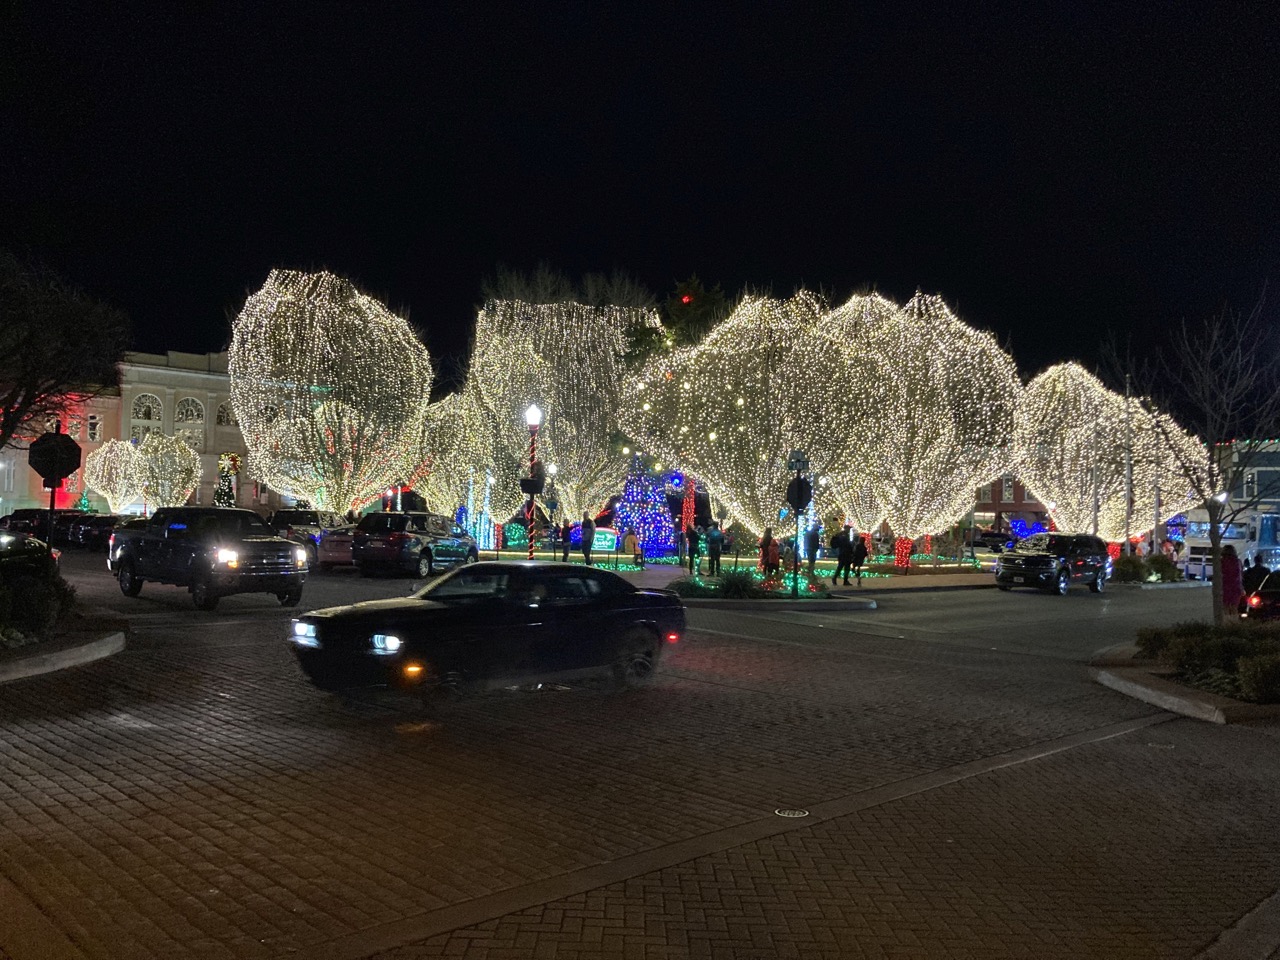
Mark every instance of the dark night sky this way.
pixel 1056 172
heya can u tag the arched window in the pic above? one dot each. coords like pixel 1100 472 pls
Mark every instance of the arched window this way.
pixel 145 415
pixel 226 414
pixel 188 421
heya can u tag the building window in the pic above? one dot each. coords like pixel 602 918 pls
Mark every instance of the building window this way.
pixel 145 415
pixel 1250 485
pixel 1006 489
pixel 984 493
pixel 94 423
pixel 226 414
pixel 188 420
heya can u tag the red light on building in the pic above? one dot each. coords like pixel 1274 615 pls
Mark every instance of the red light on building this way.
pixel 687 298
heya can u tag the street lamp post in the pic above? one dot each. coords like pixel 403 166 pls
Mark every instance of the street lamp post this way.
pixel 532 417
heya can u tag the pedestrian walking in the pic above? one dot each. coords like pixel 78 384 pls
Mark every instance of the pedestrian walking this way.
pixel 842 544
pixel 631 545
pixel 588 536
pixel 1232 584
pixel 769 561
pixel 812 542
pixel 715 544
pixel 692 539
pixel 858 559
pixel 566 534
pixel 1253 577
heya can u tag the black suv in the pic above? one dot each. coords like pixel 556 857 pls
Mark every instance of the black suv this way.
pixel 414 543
pixel 1054 561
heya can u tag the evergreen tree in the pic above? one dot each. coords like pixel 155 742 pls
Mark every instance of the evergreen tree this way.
pixel 643 507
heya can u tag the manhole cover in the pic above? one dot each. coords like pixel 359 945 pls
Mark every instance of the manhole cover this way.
pixel 792 813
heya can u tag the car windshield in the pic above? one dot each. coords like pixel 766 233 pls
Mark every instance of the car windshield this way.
pixel 467 585
pixel 234 523
pixel 301 518
pixel 1043 543
pixel 382 523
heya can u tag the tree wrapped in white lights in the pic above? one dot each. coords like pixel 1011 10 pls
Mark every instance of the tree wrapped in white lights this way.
pixel 166 470
pixel 767 380
pixel 110 472
pixel 1074 442
pixel 330 389
pixel 938 432
pixel 569 359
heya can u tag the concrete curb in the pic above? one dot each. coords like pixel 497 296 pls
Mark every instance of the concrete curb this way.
pixel 49 657
pixel 1118 668
pixel 1176 585
pixel 833 603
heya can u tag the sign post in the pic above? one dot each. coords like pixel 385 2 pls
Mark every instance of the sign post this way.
pixel 799 493
pixel 55 456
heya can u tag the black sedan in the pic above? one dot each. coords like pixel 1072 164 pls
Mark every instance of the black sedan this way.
pixel 22 555
pixel 492 625
pixel 1264 602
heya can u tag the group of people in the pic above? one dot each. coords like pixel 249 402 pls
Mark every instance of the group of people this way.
pixel 1240 581
pixel 708 539
pixel 588 538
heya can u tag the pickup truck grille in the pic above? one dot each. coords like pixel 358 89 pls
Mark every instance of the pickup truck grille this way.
pixel 268 563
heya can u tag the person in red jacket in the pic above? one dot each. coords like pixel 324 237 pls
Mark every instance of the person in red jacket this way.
pixel 1232 583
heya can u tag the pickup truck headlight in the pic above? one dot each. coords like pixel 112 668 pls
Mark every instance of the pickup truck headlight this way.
pixel 304 634
pixel 300 557
pixel 229 557
pixel 386 644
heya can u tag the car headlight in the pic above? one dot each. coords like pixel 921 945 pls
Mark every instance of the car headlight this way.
pixel 229 557
pixel 300 557
pixel 304 634
pixel 386 644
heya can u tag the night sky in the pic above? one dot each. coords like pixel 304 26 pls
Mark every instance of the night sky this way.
pixel 1055 171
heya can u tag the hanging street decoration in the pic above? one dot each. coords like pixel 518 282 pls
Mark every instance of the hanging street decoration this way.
pixel 330 388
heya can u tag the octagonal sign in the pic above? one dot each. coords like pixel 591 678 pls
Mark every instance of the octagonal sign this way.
pixel 55 456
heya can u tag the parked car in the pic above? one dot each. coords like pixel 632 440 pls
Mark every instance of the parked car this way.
pixel 1054 561
pixel 993 540
pixel 492 624
pixel 213 552
pixel 1264 602
pixel 63 521
pixel 302 526
pixel 93 530
pixel 414 543
pixel 35 521
pixel 334 548
pixel 22 555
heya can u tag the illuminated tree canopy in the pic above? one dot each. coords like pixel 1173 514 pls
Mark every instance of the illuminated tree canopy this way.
pixel 1071 450
pixel 110 471
pixel 330 389
pixel 767 380
pixel 569 359
pixel 166 470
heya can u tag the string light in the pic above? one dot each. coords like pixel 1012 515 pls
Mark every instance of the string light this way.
pixel 729 409
pixel 110 472
pixel 1071 442
pixel 166 470
pixel 568 358
pixel 330 389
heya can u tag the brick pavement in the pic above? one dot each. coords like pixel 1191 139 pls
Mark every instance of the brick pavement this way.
pixel 192 797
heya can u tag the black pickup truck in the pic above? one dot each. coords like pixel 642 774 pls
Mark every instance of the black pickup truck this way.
pixel 213 551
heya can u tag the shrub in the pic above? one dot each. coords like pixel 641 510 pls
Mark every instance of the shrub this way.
pixel 1164 568
pixel 1154 641
pixel 36 604
pixel 739 585
pixel 1129 568
pixel 1259 678
pixel 692 587
pixel 1220 648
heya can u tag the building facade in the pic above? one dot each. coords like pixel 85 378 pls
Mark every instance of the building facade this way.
pixel 999 503
pixel 186 395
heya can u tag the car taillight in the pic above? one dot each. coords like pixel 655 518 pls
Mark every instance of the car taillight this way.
pixel 673 638
pixel 1255 601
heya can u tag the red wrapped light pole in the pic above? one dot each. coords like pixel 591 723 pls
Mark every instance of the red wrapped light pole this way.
pixel 532 417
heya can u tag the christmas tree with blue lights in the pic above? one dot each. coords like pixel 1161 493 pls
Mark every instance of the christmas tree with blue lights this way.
pixel 643 507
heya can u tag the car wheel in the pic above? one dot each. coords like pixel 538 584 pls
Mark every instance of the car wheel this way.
pixel 1003 586
pixel 446 693
pixel 202 595
pixel 289 599
pixel 1063 584
pixel 635 667
pixel 424 564
pixel 472 557
pixel 1099 583
pixel 130 582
